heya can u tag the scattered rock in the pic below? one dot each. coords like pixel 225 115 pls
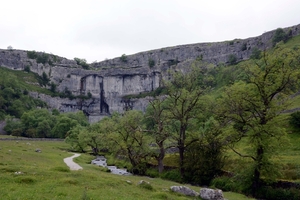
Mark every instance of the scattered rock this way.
pixel 184 190
pixel 143 182
pixel 211 194
pixel 129 182
pixel 18 173
pixel 38 150
pixel 145 185
pixel 101 161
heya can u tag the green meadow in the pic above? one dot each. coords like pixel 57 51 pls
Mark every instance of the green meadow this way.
pixel 26 174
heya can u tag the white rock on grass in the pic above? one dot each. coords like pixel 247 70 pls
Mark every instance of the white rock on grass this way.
pixel 211 194
pixel 184 190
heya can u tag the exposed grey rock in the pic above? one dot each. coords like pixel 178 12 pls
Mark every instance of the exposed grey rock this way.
pixel 112 80
pixel 101 161
pixel 184 190
pixel 38 150
pixel 211 194
pixel 143 182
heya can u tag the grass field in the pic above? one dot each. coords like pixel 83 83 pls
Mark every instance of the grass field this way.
pixel 45 176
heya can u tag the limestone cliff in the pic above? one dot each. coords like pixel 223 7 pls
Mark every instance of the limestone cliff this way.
pixel 110 80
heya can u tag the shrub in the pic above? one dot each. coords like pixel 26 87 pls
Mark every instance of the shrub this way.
pixel 146 186
pixel 295 119
pixel 204 160
pixel 173 175
pixel 45 79
pixel 151 172
pixel 269 193
pixel 244 47
pixel 25 180
pixel 82 63
pixel 199 58
pixel 123 58
pixel 151 62
pixel 61 169
pixel 279 35
pixel 31 54
pixel 27 68
pixel 53 87
pixel 224 183
pixel 256 53
pixel 42 58
pixel 232 59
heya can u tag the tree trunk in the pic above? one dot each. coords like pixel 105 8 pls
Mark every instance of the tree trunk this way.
pixel 161 157
pixel 181 151
pixel 256 184
pixel 181 160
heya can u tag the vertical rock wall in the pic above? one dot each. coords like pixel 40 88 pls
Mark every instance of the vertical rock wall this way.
pixel 111 80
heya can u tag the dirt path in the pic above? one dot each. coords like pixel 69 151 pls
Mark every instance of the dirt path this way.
pixel 69 161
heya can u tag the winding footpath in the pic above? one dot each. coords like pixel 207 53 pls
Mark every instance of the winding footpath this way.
pixel 69 161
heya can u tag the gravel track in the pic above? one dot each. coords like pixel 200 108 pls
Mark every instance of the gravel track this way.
pixel 69 161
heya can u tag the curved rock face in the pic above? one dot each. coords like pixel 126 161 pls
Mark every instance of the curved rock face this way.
pixel 111 80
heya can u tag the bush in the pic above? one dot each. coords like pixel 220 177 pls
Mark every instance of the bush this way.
pixel 279 35
pixel 151 62
pixel 244 47
pixel 295 119
pixel 172 175
pixel 232 59
pixel 146 186
pixel 123 58
pixel 269 193
pixel 27 68
pixel 61 169
pixel 25 180
pixel 151 172
pixel 42 58
pixel 82 63
pixel 31 54
pixel 256 53
pixel 225 183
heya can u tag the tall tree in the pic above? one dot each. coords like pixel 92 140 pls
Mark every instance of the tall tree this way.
pixel 253 105
pixel 184 103
pixel 157 125
pixel 129 139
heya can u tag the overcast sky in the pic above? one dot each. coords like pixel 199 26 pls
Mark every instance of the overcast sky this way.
pixel 100 29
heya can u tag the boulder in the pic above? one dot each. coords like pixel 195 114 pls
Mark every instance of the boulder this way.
pixel 38 150
pixel 184 190
pixel 143 182
pixel 211 194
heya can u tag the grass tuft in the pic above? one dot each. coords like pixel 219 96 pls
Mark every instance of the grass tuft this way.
pixel 61 169
pixel 25 180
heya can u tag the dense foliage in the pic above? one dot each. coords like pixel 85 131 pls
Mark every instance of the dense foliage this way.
pixel 14 98
pixel 40 123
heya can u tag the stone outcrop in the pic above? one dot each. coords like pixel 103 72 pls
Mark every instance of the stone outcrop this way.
pixel 107 83
pixel 101 161
pixel 211 194
pixel 184 190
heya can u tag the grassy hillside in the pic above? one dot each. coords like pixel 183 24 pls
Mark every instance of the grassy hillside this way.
pixel 45 176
